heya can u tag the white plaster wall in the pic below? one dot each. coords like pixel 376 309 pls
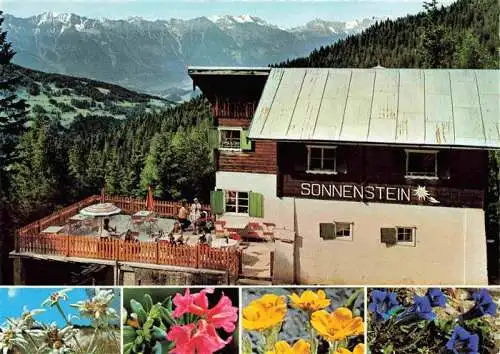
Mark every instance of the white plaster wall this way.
pixel 450 245
pixel 276 210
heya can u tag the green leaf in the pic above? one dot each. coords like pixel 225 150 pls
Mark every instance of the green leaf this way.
pixel 168 303
pixel 247 346
pixel 129 334
pixel 148 302
pixel 127 348
pixel 158 334
pixel 166 316
pixel 157 349
pixel 139 310
pixel 389 349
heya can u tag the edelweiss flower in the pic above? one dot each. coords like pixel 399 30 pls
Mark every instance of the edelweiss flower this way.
pixel 54 298
pixel 10 338
pixel 55 339
pixel 27 321
pixel 98 309
pixel 421 193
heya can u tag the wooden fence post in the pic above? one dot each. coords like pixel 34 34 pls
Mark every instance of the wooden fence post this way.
pixel 157 252
pixel 67 245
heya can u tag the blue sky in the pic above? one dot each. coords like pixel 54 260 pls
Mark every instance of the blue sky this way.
pixel 12 301
pixel 287 13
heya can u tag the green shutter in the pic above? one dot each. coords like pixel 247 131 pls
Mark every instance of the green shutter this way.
pixel 217 202
pixel 245 143
pixel 388 236
pixel 256 205
pixel 327 231
pixel 213 138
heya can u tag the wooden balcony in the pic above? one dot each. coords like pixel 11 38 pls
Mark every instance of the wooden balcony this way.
pixel 29 239
pixel 233 109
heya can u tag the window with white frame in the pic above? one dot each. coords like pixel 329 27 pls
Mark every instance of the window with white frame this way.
pixel 230 139
pixel 321 159
pixel 405 235
pixel 236 202
pixel 421 164
pixel 336 230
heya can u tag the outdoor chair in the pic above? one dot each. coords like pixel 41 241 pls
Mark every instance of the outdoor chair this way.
pixel 220 229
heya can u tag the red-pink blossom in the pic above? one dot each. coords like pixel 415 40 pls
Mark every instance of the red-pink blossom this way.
pixel 223 315
pixel 192 339
pixel 191 303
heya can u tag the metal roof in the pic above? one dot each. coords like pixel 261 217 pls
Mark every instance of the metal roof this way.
pixel 443 107
pixel 230 70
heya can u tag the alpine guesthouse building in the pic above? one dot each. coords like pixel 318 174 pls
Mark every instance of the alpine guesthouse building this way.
pixel 372 176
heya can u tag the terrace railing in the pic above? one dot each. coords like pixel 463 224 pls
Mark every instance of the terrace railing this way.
pixel 141 252
pixel 29 239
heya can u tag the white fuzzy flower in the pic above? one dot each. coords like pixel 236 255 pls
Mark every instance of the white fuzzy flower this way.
pixel 54 298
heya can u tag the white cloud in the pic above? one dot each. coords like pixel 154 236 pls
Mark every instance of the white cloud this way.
pixel 12 292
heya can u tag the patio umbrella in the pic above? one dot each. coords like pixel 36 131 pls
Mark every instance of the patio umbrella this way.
pixel 101 210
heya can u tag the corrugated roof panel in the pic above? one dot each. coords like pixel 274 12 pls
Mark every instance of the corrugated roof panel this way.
pixel 359 101
pixel 438 108
pixel 489 95
pixel 465 98
pixel 411 107
pixel 284 102
pixel 384 107
pixel 266 100
pixel 407 106
pixel 331 112
pixel 307 108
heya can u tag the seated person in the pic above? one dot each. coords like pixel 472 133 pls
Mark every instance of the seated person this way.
pixel 182 217
pixel 108 227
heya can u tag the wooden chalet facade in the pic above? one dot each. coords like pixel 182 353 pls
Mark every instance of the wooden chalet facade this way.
pixel 379 174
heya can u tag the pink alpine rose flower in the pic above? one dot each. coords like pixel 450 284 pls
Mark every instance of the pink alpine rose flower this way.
pixel 223 315
pixel 190 339
pixel 191 303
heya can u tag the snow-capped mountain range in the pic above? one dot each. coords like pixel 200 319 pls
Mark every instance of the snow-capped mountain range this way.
pixel 152 56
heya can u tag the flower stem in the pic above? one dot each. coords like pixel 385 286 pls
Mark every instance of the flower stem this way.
pixel 32 340
pixel 92 341
pixel 314 340
pixel 68 323
pixel 332 347
pixel 115 340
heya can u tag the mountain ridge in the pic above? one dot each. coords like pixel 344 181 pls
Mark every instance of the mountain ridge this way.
pixel 151 56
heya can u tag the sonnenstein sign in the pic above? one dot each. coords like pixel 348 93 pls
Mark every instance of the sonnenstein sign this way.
pixel 376 193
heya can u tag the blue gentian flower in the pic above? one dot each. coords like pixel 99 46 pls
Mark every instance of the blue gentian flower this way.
pixel 383 304
pixel 462 341
pixel 484 306
pixel 484 302
pixel 436 297
pixel 420 310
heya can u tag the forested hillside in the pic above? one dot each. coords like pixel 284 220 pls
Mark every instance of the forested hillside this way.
pixel 462 35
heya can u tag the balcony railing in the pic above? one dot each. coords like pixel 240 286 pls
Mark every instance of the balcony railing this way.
pixel 29 239
pixel 234 109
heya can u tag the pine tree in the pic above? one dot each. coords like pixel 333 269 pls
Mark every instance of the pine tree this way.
pixel 12 110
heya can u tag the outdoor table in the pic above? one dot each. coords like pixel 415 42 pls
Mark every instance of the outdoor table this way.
pixel 52 230
pixel 143 214
pixel 79 217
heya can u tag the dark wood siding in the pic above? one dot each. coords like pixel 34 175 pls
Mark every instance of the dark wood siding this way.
pixel 462 182
pixel 262 159
pixel 233 122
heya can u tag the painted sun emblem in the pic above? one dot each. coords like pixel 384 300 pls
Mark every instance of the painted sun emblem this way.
pixel 423 194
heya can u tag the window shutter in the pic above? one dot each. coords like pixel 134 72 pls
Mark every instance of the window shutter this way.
pixel 245 143
pixel 213 138
pixel 256 205
pixel 217 202
pixel 388 236
pixel 327 231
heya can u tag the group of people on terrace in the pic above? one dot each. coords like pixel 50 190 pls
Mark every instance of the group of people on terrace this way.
pixel 195 218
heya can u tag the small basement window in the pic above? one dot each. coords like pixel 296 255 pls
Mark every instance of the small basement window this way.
pixel 421 164
pixel 230 139
pixel 322 159
pixel 335 230
pixel 236 202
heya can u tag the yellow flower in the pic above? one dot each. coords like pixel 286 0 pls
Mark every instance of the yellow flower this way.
pixel 358 349
pixel 300 347
pixel 310 301
pixel 337 325
pixel 264 313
